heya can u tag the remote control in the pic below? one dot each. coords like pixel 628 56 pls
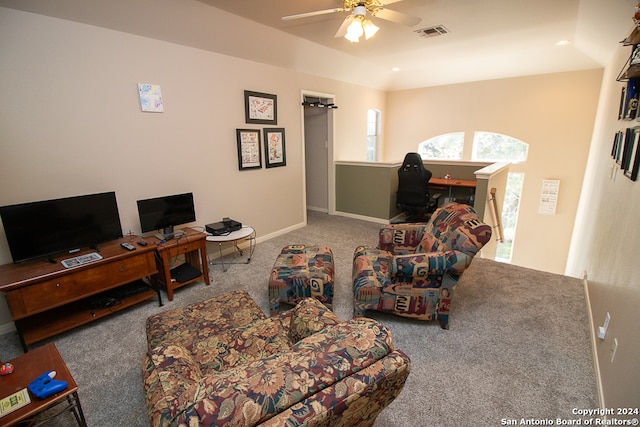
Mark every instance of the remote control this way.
pixel 44 386
pixel 128 246
pixel 142 243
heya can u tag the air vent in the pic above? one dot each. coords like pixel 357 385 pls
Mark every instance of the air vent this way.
pixel 435 31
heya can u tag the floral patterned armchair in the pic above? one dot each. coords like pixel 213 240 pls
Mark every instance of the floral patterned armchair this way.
pixel 222 362
pixel 413 270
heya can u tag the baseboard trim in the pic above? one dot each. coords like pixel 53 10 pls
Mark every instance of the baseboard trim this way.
pixel 592 333
pixel 316 209
pixel 362 217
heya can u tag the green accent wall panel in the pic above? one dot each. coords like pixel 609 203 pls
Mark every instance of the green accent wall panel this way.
pixel 366 190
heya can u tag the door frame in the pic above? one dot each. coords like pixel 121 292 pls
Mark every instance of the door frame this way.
pixel 331 188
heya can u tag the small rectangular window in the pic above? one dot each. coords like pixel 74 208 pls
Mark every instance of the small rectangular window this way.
pixel 373 134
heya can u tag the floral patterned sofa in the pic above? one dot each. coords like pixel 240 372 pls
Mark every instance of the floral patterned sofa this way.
pixel 222 362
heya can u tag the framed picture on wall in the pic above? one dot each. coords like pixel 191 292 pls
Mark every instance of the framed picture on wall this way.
pixel 632 170
pixel 274 148
pixel 629 140
pixel 623 97
pixel 620 148
pixel 260 108
pixel 249 154
pixel 616 152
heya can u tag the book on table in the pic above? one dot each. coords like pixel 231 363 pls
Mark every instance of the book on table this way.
pixel 14 401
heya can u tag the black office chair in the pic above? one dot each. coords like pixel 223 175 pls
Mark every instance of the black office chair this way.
pixel 413 189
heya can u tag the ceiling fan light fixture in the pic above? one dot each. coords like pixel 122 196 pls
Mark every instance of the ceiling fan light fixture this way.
pixel 369 28
pixel 354 31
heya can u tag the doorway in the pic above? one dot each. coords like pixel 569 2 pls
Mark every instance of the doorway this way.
pixel 318 152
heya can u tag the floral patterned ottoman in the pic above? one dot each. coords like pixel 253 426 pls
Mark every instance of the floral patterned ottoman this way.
pixel 222 362
pixel 301 271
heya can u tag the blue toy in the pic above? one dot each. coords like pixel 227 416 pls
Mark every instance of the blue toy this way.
pixel 44 386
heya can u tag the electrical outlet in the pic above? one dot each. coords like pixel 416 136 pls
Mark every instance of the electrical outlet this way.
pixel 602 330
pixel 614 349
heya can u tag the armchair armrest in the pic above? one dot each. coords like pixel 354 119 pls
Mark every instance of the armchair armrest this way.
pixel 171 381
pixel 371 268
pixel 429 264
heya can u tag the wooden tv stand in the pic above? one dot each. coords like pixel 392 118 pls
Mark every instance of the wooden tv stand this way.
pixel 46 298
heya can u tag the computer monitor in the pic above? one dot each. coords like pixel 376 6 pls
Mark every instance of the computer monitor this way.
pixel 162 214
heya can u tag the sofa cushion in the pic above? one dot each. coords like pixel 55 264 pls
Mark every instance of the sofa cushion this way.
pixel 248 395
pixel 355 401
pixel 455 227
pixel 239 346
pixel 197 321
pixel 308 317
pixel 400 239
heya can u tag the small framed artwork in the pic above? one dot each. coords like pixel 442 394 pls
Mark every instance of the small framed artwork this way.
pixel 633 175
pixel 616 150
pixel 623 97
pixel 150 98
pixel 249 155
pixel 260 108
pixel 274 149
pixel 619 147
pixel 631 171
pixel 629 140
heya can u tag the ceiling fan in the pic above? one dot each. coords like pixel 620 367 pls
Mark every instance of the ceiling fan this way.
pixel 356 23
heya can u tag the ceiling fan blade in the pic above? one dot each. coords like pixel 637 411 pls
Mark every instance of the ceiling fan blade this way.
pixel 343 28
pixel 308 14
pixel 397 17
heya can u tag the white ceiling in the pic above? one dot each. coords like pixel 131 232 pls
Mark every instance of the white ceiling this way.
pixel 488 39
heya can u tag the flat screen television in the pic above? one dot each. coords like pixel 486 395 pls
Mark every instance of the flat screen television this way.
pixel 40 229
pixel 162 214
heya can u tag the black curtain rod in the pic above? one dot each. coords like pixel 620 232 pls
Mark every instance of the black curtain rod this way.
pixel 318 104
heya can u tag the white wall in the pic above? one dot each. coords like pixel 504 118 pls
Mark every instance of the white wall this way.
pixel 70 124
pixel 605 247
pixel 553 113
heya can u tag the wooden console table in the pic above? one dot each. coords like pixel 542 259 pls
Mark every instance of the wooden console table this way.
pixel 46 299
pixel 28 367
pixel 192 244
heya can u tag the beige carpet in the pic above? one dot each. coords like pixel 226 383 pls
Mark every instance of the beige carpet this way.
pixel 518 344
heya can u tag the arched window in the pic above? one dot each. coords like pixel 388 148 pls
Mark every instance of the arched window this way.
pixel 494 147
pixel 443 147
pixel 489 147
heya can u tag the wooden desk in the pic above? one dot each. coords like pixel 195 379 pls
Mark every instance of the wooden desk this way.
pixel 26 369
pixel 459 190
pixel 46 299
pixel 470 183
pixel 193 245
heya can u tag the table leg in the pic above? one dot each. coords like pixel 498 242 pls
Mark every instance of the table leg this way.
pixel 77 411
pixel 221 257
pixel 204 263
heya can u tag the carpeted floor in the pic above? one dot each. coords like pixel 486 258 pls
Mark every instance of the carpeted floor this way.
pixel 518 344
